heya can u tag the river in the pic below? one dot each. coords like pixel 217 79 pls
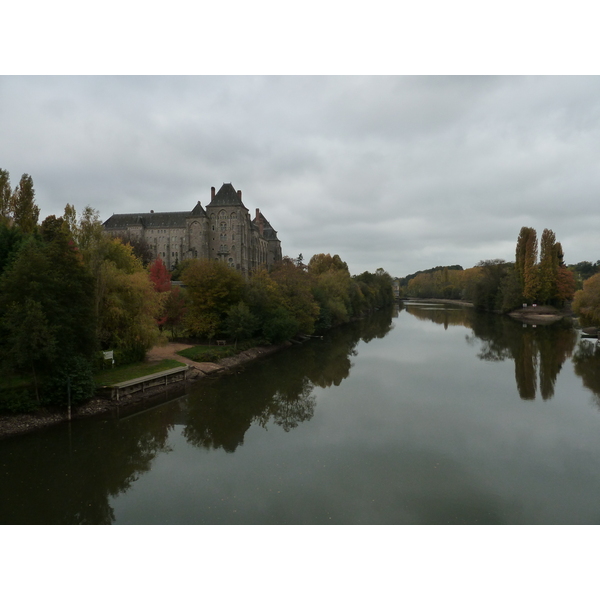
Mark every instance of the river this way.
pixel 430 414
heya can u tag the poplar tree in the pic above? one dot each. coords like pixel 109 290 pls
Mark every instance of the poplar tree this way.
pixel 548 268
pixel 24 209
pixel 526 263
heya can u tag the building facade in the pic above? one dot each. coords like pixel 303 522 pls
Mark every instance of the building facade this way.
pixel 224 231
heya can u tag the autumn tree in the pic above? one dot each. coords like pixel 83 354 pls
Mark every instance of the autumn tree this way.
pixel 211 288
pixel 141 247
pixel 530 277
pixel 128 304
pixel 161 279
pixel 586 302
pixel 159 276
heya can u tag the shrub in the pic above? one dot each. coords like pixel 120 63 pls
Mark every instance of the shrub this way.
pixel 17 400
pixel 74 377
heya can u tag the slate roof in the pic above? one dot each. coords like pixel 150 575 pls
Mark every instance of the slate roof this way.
pixel 149 220
pixel 268 232
pixel 226 196
pixel 198 211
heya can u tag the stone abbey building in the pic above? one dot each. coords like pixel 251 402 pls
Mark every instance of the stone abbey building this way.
pixel 222 231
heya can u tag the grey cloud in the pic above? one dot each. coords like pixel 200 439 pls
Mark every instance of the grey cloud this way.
pixel 402 173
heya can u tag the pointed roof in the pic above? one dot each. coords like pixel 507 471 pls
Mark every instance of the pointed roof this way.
pixel 226 196
pixel 268 232
pixel 198 211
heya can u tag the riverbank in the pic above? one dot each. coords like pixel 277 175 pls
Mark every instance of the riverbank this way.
pixel 11 425
pixel 539 315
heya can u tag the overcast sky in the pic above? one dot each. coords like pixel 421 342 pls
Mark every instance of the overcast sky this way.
pixel 403 173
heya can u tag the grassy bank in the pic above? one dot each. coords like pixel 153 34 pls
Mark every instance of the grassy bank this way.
pixel 127 372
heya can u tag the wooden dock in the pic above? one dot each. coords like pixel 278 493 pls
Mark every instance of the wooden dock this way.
pixel 141 384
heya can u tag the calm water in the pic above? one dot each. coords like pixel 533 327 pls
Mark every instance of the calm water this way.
pixel 432 415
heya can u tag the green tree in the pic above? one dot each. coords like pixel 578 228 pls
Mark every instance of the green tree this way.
pixel 5 197
pixel 174 308
pixel 295 284
pixel 548 267
pixel 25 211
pixel 11 239
pixel 46 294
pixel 240 323
pixel 30 343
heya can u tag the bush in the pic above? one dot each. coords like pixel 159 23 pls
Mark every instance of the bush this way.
pixel 18 400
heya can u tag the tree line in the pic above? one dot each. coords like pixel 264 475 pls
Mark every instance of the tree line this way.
pixel 69 291
pixel 501 286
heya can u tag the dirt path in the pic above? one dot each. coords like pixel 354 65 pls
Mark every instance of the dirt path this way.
pixel 169 351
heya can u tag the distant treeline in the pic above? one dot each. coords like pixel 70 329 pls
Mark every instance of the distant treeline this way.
pixel 405 280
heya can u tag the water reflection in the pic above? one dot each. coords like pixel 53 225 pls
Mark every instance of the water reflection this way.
pixel 276 392
pixel 441 314
pixel 68 474
pixel 538 352
pixel 587 366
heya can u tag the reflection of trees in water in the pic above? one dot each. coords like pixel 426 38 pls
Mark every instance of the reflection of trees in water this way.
pixel 442 316
pixel 66 475
pixel 277 390
pixel 587 366
pixel 536 350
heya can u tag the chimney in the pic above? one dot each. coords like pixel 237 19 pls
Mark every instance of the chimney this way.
pixel 240 195
pixel 212 194
pixel 259 222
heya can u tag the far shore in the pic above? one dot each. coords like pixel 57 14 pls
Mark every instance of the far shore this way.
pixel 439 301
pixel 528 314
